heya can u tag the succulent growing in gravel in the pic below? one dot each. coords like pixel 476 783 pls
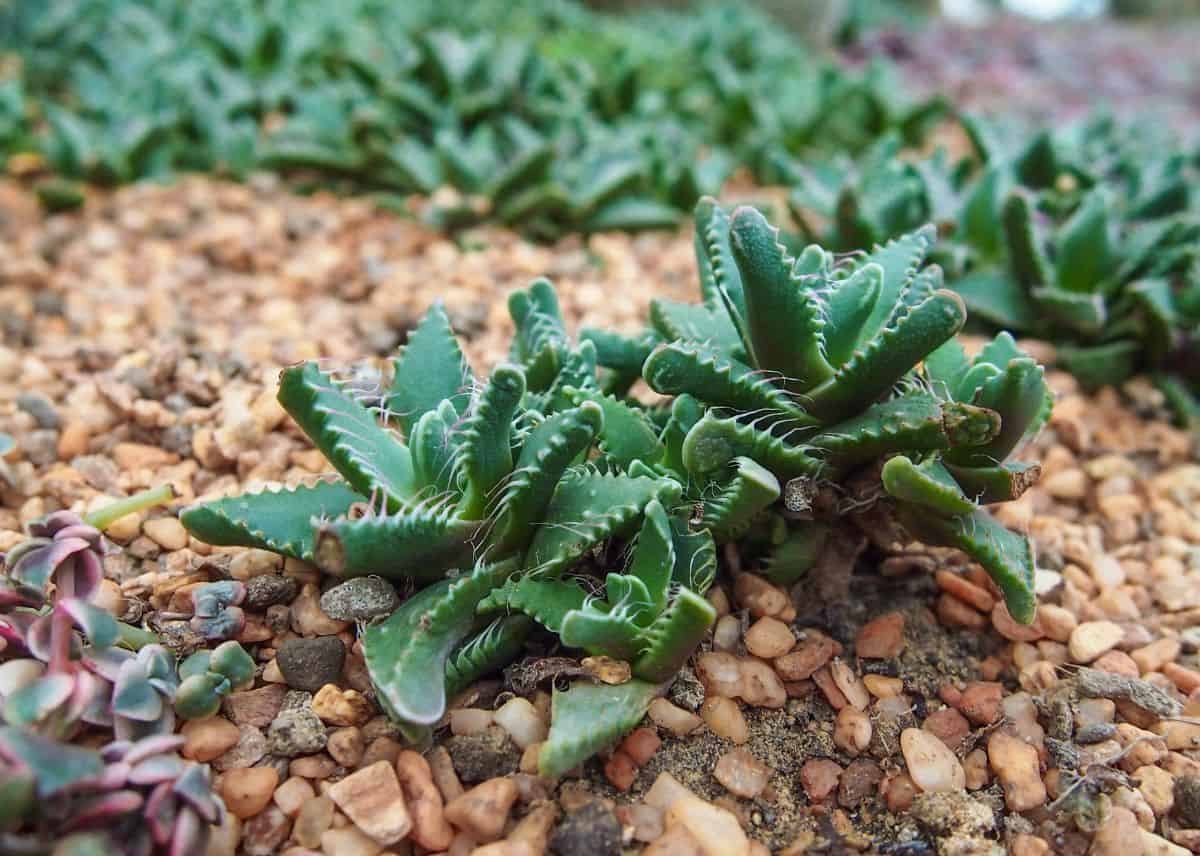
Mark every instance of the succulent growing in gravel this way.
pixel 794 373
pixel 66 665
pixel 138 798
pixel 502 498
pixel 497 489
pixel 216 614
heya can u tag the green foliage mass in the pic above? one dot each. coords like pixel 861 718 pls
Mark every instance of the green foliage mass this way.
pixel 1087 236
pixel 543 115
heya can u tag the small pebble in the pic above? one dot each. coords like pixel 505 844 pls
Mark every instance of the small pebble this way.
pixel 248 791
pixel 1093 638
pixel 360 599
pixel 309 664
pixel 372 799
pixel 931 765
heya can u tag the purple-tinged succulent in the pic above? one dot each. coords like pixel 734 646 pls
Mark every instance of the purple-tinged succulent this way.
pixel 138 798
pixel 216 614
pixel 63 548
pixel 61 668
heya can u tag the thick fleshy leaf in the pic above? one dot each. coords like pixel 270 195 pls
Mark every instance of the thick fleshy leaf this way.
pixel 97 624
pixel 231 660
pixel 194 787
pixel 280 521
pixel 199 695
pixel 404 652
pixel 588 508
pixel 577 733
pixel 106 810
pixel 370 458
pixel 430 369
pixel 56 766
pixel 34 702
pixel 134 696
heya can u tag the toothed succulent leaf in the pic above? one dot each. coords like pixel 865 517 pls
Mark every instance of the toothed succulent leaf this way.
pixel 1005 555
pixel 546 453
pixel 369 458
pixel 277 520
pixel 674 635
pixel 486 452
pixel 420 542
pixel 784 316
pixel 418 639
pixel 487 651
pixel 588 508
pixel 430 370
pixel 541 343
pixel 750 490
pixel 577 733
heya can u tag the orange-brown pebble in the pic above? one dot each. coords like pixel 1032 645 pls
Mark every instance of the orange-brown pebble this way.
pixel 248 790
pixel 952 612
pixel 960 587
pixel 881 638
pixel 819 778
pixel 769 638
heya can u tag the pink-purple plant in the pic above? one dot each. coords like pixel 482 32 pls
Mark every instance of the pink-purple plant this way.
pixel 68 668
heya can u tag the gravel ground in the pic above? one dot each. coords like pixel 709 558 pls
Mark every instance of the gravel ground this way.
pixel 141 340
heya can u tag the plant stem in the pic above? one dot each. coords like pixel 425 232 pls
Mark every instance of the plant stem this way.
pixel 109 514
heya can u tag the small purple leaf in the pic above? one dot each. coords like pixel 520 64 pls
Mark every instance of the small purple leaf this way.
pixel 133 696
pixel 56 766
pixel 160 813
pixel 194 787
pixel 36 701
pixel 104 810
pixel 160 768
pixel 190 835
pixel 151 746
pixel 99 627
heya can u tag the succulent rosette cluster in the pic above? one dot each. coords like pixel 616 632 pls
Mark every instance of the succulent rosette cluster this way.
pixel 70 671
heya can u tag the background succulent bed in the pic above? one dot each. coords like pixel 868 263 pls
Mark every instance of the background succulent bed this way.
pixel 544 496
pixel 545 116
pixel 1088 237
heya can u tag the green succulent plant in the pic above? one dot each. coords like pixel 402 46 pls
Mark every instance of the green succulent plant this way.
pixel 488 494
pixel 799 371
pixel 543 497
pixel 206 677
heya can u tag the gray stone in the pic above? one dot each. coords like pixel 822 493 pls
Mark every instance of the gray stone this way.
pixel 483 756
pixel 590 831
pixel 177 439
pixel 1095 732
pixel 297 730
pixel 248 751
pixel 41 446
pixel 270 589
pixel 360 599
pixel 1187 801
pixel 41 409
pixel 309 664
